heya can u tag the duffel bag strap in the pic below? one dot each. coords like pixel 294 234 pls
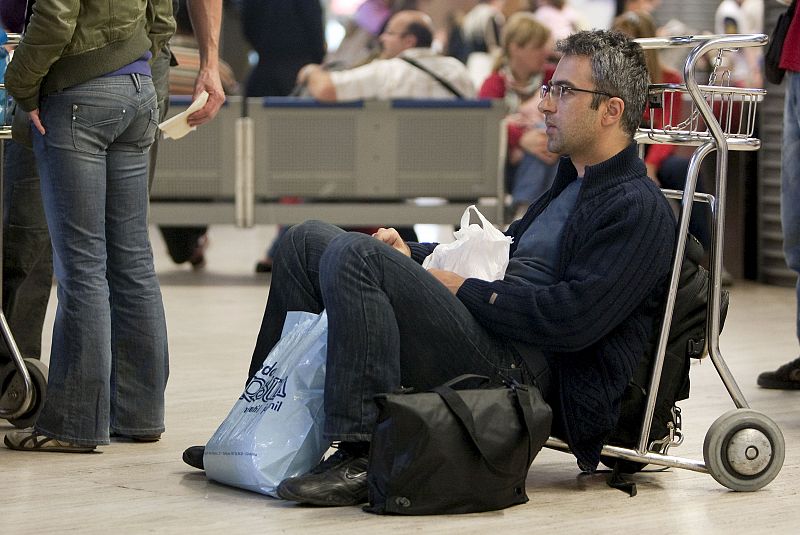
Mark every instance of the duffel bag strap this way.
pixel 527 413
pixel 480 380
pixel 463 414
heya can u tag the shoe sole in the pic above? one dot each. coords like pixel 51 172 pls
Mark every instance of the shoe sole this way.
pixel 288 495
pixel 778 385
pixel 51 449
pixel 137 439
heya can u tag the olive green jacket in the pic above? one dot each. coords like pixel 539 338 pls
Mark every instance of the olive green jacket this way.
pixel 68 42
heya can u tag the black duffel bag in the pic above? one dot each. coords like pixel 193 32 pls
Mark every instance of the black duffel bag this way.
pixel 455 451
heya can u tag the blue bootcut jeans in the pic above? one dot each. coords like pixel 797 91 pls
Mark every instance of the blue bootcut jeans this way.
pixel 790 179
pixel 109 361
pixel 390 323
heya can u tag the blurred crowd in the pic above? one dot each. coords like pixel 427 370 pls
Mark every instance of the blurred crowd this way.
pixel 334 50
pixel 492 49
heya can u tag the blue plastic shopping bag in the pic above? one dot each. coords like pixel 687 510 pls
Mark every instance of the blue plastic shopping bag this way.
pixel 274 430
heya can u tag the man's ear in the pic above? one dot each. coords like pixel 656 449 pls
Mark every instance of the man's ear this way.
pixel 614 108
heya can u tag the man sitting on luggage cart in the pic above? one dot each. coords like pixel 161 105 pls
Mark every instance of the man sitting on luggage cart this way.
pixel 579 304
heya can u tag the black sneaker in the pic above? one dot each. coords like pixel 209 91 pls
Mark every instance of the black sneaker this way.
pixel 787 377
pixel 341 479
pixel 193 456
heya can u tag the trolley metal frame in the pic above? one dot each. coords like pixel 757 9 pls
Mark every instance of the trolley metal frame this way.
pixel 743 450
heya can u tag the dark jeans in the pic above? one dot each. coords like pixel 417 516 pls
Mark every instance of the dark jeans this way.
pixel 391 323
pixel 672 175
pixel 27 254
pixel 531 179
pixel 181 241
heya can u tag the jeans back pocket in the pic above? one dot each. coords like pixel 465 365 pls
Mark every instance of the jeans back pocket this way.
pixel 95 127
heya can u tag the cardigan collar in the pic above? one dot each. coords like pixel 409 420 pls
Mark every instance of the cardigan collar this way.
pixel 618 169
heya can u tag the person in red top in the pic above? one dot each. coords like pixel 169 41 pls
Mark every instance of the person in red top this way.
pixel 787 377
pixel 664 166
pixel 517 78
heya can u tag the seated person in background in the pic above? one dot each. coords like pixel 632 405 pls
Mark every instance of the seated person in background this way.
pixel 646 6
pixel 559 17
pixel 407 68
pixel 667 168
pixel 480 33
pixel 580 303
pixel 742 16
pixel 517 79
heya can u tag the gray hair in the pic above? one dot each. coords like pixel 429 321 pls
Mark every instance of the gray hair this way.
pixel 618 68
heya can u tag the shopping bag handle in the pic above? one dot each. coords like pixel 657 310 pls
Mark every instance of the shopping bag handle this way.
pixel 485 223
pixel 463 414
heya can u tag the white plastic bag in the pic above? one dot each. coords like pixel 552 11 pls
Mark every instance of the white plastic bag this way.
pixel 479 252
pixel 274 430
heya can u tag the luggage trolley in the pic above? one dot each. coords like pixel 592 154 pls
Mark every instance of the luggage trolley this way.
pixel 23 382
pixel 743 449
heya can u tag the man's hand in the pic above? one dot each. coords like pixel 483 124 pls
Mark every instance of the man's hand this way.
pixel 305 72
pixel 37 122
pixel 452 280
pixel 207 80
pixel 391 237
pixel 206 16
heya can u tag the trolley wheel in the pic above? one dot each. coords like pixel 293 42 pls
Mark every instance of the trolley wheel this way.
pixel 744 450
pixel 13 391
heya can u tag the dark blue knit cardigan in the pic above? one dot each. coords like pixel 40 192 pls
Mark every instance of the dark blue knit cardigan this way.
pixel 602 315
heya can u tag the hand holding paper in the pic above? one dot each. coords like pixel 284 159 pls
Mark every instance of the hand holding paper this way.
pixel 176 127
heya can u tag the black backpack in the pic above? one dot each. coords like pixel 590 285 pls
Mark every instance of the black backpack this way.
pixel 686 341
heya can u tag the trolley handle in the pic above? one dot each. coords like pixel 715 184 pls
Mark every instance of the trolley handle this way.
pixel 744 40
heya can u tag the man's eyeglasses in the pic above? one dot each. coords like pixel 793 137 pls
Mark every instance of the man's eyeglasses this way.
pixel 558 90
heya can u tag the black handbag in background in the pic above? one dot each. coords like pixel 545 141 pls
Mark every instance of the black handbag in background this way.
pixel 455 451
pixel 772 58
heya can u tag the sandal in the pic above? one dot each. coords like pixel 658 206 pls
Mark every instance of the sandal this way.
pixel 30 440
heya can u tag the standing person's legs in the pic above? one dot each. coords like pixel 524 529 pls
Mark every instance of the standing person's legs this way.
pixel 160 71
pixel 27 254
pixel 139 366
pixel 184 244
pixel 72 165
pixel 788 375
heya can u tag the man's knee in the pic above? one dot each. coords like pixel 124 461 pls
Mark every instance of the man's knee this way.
pixel 349 248
pixel 306 230
pixel 351 244
pixel 298 236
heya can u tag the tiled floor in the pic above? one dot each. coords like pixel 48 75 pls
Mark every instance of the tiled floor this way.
pixel 213 318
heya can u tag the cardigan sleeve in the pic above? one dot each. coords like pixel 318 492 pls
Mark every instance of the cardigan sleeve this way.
pixel 420 250
pixel 619 257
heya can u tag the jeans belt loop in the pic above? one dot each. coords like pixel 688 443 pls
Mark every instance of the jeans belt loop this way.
pixel 136 82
